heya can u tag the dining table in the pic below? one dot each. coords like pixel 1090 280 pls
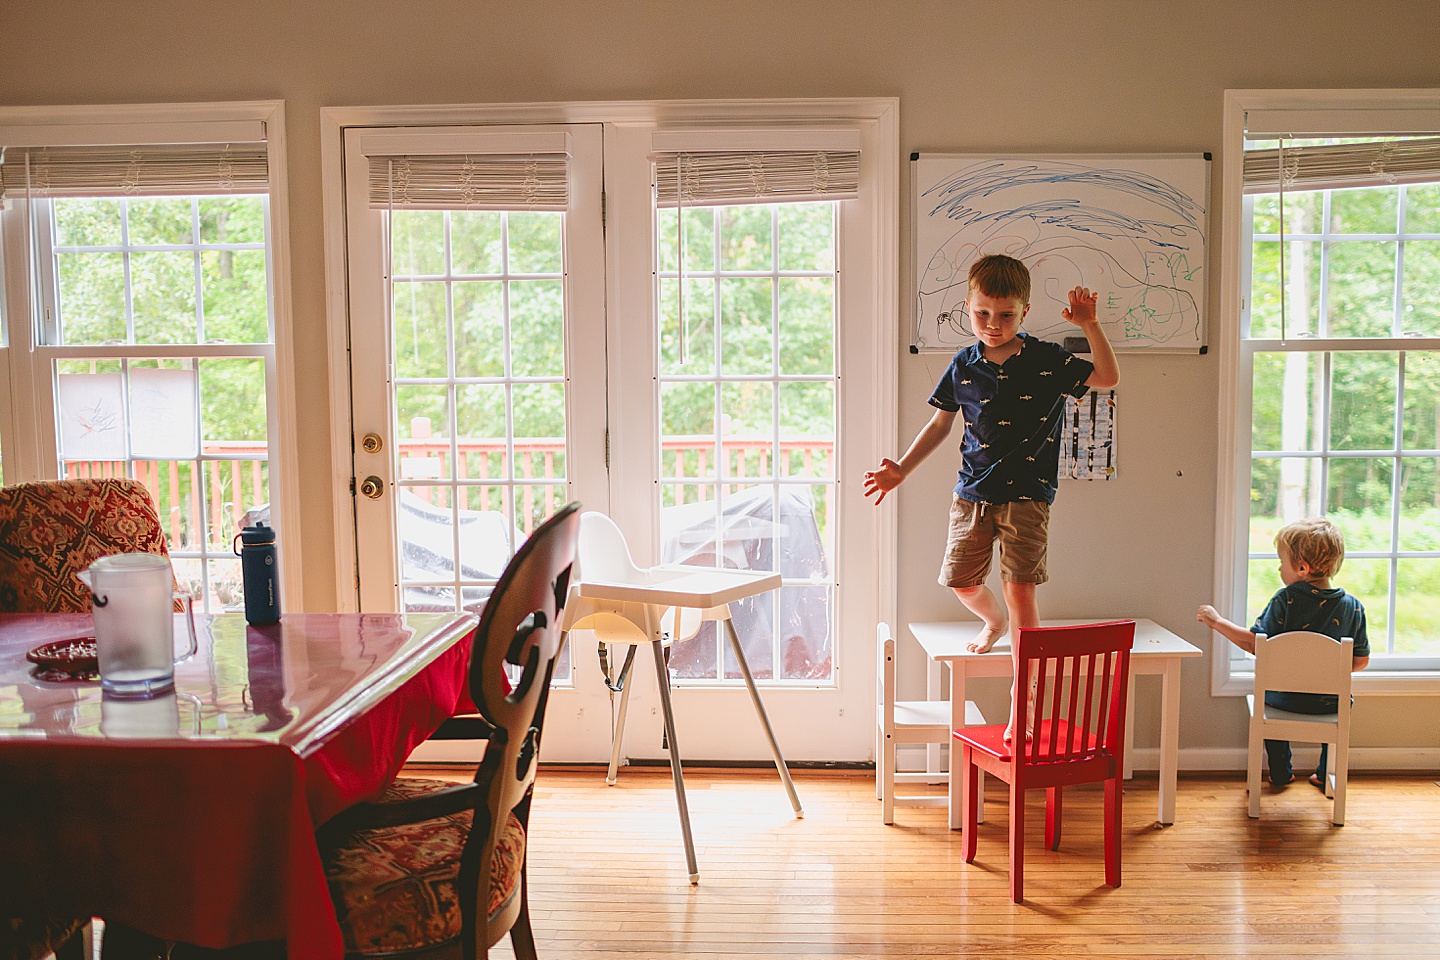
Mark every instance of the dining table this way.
pixel 191 816
pixel 1156 652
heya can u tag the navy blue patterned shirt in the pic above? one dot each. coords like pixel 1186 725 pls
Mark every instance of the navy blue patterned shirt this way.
pixel 1012 413
pixel 1304 606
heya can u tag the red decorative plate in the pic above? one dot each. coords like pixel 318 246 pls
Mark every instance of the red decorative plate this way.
pixel 73 659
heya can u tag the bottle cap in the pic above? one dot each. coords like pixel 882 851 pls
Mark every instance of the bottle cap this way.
pixel 259 533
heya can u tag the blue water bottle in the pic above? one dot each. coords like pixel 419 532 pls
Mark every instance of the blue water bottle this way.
pixel 261 574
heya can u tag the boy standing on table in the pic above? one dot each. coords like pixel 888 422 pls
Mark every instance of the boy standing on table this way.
pixel 1010 388
pixel 1311 552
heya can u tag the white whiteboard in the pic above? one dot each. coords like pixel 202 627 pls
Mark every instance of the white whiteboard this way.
pixel 1132 228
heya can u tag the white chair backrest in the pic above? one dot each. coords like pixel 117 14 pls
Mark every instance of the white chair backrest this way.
pixel 885 676
pixel 603 553
pixel 1302 661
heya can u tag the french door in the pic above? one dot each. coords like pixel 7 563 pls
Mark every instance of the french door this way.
pixel 677 369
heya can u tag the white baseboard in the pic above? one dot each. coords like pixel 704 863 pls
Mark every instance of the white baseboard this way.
pixel 1361 758
pixel 1234 760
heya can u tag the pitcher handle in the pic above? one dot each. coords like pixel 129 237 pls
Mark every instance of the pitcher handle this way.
pixel 189 603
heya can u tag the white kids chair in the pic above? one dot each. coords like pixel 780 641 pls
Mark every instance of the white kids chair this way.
pixel 1300 661
pixel 626 605
pixel 907 721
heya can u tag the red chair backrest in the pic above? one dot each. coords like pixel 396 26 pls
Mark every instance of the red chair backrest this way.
pixel 1082 677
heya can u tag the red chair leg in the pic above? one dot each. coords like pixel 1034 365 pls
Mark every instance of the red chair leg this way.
pixel 1017 842
pixel 969 799
pixel 1113 797
pixel 1053 807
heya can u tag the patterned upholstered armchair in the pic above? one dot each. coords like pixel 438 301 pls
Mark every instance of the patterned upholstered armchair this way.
pixel 51 529
pixel 436 869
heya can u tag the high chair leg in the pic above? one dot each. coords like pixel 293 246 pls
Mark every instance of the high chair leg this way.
pixel 617 732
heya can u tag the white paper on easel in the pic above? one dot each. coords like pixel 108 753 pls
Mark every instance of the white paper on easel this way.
pixel 92 416
pixel 164 422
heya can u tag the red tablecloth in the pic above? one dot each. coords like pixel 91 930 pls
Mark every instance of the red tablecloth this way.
pixel 210 843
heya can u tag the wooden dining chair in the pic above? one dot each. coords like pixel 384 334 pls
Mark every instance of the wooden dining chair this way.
pixel 52 529
pixel 436 869
pixel 1081 676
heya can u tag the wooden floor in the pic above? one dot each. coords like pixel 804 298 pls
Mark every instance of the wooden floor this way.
pixel 608 876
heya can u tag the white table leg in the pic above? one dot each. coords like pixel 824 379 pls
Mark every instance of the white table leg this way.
pixel 957 720
pixel 932 692
pixel 764 718
pixel 1128 761
pixel 1169 738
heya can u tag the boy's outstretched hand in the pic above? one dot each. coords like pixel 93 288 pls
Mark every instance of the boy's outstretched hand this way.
pixel 882 481
pixel 1082 307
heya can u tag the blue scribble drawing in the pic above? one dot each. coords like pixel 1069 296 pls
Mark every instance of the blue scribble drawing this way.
pixel 1120 226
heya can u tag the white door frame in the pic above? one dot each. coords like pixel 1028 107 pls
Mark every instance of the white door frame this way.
pixel 865 546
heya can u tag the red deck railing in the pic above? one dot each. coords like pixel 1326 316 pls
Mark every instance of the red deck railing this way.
pixel 236 478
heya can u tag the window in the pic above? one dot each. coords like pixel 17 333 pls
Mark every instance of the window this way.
pixel 748 386
pixel 142 321
pixel 1337 372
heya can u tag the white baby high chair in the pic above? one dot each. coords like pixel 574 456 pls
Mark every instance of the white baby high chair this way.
pixel 625 605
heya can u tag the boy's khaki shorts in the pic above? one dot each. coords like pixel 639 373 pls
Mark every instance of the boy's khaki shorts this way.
pixel 1022 529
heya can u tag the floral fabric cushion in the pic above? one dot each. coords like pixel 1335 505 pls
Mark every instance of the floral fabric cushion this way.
pixel 395 887
pixel 52 529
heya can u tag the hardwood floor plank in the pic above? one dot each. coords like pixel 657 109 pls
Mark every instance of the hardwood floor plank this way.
pixel 608 878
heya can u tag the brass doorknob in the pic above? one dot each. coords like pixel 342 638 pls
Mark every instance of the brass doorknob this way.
pixel 372 487
pixel 371 443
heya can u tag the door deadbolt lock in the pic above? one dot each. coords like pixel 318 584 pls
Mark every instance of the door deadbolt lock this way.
pixel 371 443
pixel 372 487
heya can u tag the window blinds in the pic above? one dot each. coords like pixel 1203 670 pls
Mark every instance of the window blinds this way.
pixel 537 181
pixel 119 171
pixel 768 176
pixel 1377 163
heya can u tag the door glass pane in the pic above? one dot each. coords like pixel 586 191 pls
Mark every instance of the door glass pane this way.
pixel 747 427
pixel 478 341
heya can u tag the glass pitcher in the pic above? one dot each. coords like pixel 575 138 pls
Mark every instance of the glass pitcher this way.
pixel 132 600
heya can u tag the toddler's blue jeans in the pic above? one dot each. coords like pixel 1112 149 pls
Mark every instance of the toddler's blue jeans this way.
pixel 1278 751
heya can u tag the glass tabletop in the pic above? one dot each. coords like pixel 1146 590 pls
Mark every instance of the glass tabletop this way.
pixel 294 683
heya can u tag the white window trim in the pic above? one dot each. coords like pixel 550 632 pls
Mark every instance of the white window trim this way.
pixel 1396 111
pixel 141 123
pixel 875 368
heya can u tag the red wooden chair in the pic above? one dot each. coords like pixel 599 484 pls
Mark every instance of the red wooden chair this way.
pixel 1081 676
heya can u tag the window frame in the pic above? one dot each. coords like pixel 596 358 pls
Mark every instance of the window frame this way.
pixel 1312 112
pixel 30 447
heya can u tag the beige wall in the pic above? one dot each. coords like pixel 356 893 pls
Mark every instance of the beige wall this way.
pixel 1068 76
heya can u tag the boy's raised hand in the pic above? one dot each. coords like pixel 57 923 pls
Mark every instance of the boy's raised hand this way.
pixel 882 481
pixel 1082 307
